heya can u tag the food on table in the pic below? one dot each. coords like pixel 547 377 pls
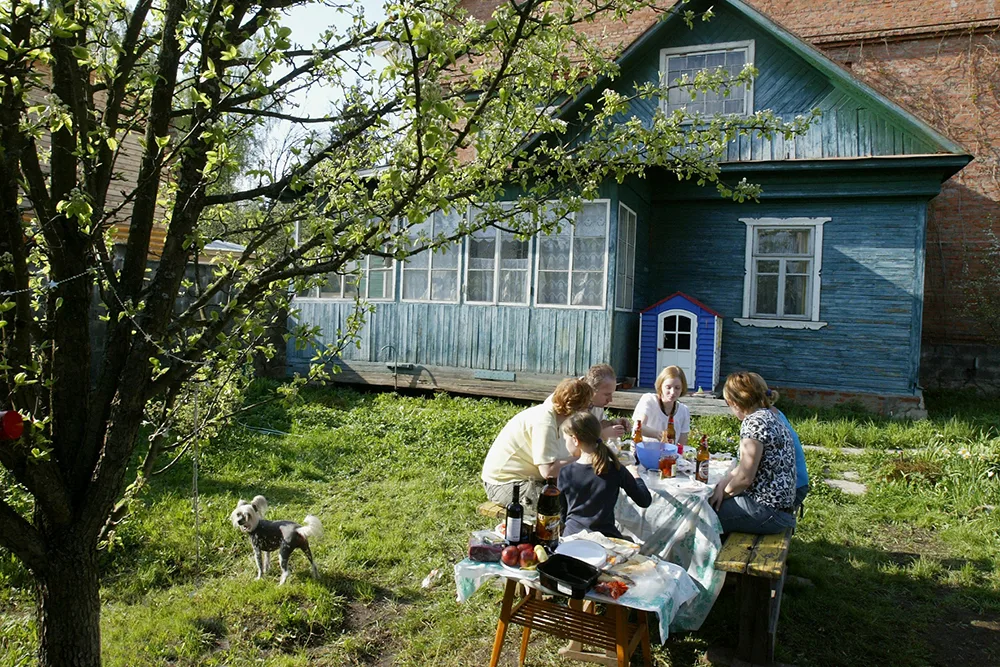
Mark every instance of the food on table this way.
pixel 541 553
pixel 484 548
pixel 528 559
pixel 511 556
pixel 525 546
pixel 613 589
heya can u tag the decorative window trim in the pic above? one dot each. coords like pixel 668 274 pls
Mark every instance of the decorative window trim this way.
pixel 496 273
pixel 630 268
pixel 748 105
pixel 604 284
pixel 812 322
pixel 315 295
pixel 430 273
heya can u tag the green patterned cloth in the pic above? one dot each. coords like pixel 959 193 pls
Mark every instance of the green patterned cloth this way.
pixel 682 528
pixel 662 590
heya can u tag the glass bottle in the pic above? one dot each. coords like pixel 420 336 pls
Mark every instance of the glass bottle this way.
pixel 515 515
pixel 701 461
pixel 548 524
pixel 637 436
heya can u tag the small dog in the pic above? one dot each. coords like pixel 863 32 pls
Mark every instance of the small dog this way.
pixel 267 536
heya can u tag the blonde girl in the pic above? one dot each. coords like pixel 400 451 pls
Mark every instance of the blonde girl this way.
pixel 656 409
pixel 590 485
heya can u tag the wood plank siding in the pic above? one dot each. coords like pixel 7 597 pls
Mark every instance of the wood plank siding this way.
pixel 849 126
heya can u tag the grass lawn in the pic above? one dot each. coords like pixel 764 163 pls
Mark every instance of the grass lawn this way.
pixel 906 574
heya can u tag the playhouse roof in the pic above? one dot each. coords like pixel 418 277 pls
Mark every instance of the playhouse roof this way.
pixel 691 300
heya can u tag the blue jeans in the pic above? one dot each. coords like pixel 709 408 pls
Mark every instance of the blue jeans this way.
pixel 741 514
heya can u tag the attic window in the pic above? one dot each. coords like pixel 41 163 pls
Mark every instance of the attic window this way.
pixel 679 64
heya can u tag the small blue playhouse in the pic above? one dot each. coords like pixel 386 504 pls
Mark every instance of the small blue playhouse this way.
pixel 680 331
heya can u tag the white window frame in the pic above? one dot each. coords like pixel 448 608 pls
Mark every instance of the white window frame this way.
pixel 569 287
pixel 430 273
pixel 811 321
pixel 315 291
pixel 747 45
pixel 625 240
pixel 496 273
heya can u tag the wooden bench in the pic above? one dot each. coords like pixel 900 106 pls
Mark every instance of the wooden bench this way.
pixel 492 510
pixel 758 562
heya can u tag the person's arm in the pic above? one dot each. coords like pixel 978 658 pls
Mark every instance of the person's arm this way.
pixel 742 474
pixel 547 470
pixel 634 487
pixel 642 412
pixel 547 446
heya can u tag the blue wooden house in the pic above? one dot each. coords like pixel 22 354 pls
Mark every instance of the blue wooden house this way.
pixel 680 331
pixel 818 286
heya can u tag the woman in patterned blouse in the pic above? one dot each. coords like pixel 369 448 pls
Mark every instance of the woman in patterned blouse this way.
pixel 757 494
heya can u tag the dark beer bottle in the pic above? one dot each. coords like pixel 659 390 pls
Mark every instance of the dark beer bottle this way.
pixel 548 525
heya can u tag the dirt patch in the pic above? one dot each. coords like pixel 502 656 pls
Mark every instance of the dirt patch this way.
pixel 964 637
pixel 904 544
pixel 371 637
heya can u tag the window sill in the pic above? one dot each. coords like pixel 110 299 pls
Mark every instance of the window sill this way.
pixel 779 324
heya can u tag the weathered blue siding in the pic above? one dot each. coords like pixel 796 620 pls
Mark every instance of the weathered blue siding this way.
pixel 871 289
pixel 635 194
pixel 849 125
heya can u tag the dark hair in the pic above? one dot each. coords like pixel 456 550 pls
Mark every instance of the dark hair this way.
pixel 586 428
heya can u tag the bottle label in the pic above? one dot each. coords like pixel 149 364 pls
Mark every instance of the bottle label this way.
pixel 702 474
pixel 513 530
pixel 548 528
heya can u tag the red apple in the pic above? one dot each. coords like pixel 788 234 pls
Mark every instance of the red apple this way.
pixel 511 556
pixel 525 546
pixel 528 558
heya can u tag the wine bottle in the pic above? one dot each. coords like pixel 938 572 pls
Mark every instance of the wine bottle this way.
pixel 548 525
pixel 515 514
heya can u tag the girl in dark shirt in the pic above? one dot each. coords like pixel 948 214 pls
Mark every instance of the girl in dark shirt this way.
pixel 590 485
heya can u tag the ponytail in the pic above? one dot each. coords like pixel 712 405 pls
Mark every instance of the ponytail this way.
pixel 603 458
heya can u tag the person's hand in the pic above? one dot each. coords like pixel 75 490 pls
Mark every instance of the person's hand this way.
pixel 612 431
pixel 718 495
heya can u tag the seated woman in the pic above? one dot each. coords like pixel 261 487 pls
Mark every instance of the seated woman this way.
pixel 757 494
pixel 801 474
pixel 655 410
pixel 529 449
pixel 590 485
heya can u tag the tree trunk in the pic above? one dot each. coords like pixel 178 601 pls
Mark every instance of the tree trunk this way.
pixel 69 607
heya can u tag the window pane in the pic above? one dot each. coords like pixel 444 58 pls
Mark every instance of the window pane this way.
pixel 331 287
pixel 553 252
pixel 684 324
pixel 795 295
pixel 669 341
pixel 415 285
pixel 444 285
pixel 513 287
pixel 736 58
pixel 588 254
pixel 480 286
pixel 670 323
pixel 767 295
pixel 715 60
pixel 587 288
pixel 446 258
pixel 783 242
pixel 513 253
pixel 482 252
pixel 351 286
pixel 683 341
pixel 378 284
pixel 553 287
pixel 797 267
pixel 418 261
pixel 591 221
pixel 768 266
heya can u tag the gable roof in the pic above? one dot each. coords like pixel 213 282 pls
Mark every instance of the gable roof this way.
pixel 921 133
pixel 691 300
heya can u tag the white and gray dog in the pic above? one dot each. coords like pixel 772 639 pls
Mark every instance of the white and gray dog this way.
pixel 267 536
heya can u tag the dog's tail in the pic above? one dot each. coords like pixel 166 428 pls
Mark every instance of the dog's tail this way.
pixel 312 530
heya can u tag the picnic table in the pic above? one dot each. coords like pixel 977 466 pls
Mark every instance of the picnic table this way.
pixel 662 589
pixel 681 527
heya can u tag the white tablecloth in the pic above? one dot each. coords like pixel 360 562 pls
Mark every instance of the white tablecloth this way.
pixel 663 590
pixel 680 527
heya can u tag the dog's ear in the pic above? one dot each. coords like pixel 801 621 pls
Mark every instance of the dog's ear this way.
pixel 259 504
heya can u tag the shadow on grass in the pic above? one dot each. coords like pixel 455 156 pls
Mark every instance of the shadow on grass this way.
pixel 864 608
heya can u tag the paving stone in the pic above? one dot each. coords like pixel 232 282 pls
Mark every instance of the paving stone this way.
pixel 851 475
pixel 851 488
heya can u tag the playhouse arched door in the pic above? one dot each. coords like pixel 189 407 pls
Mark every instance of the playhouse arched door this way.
pixel 676 342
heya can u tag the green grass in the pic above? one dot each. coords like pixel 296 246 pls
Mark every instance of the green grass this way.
pixel 898 575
